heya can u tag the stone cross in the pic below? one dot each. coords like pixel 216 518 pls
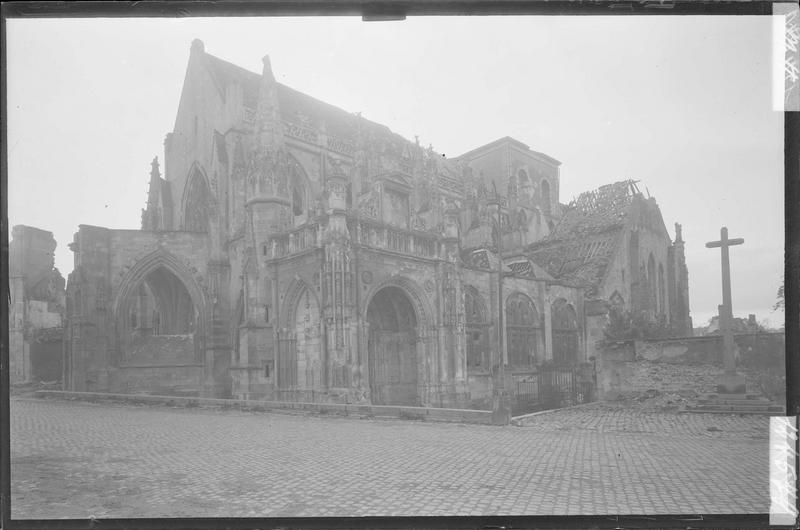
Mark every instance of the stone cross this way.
pixel 726 311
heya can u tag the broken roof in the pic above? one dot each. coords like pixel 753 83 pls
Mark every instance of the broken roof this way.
pixel 584 243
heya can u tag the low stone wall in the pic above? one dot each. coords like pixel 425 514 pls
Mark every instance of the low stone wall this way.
pixel 165 379
pixel 402 412
pixel 618 380
pixel 685 367
pixel 762 348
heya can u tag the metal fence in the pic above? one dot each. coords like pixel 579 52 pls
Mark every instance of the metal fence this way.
pixel 553 387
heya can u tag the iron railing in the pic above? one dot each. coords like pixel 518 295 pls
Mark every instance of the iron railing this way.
pixel 552 387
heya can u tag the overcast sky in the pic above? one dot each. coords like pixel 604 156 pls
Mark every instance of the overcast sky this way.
pixel 682 104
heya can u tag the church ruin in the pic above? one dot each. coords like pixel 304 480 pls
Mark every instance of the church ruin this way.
pixel 36 307
pixel 295 251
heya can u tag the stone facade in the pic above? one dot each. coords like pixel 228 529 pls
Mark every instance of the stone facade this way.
pixel 36 308
pixel 294 251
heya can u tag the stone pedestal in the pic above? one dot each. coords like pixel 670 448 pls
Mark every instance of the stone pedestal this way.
pixel 731 383
pixel 501 408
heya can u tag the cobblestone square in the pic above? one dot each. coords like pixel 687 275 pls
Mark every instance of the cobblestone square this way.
pixel 74 459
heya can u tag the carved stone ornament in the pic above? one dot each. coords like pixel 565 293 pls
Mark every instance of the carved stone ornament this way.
pixel 366 277
pixel 429 285
pixel 417 222
pixel 369 208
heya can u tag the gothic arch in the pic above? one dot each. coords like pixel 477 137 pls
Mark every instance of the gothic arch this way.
pixel 422 307
pixel 135 277
pixel 616 301
pixel 477 328
pixel 296 289
pixel 521 220
pixel 523 330
pixel 198 202
pixel 236 322
pixel 525 185
pixel 565 326
pixel 301 187
pixel 546 199
pixel 662 290
pixel 474 306
pixel 652 291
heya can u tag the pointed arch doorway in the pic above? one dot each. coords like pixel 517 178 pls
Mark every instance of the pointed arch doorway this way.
pixel 392 348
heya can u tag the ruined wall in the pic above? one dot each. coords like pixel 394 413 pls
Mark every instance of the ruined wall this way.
pixel 687 366
pixel 110 266
pixel 36 308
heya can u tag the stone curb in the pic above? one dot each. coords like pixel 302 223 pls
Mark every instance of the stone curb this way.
pixel 482 417
pixel 520 421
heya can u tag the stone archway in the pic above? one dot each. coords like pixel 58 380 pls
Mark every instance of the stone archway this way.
pixel 159 321
pixel 566 342
pixel 392 347
pixel 166 300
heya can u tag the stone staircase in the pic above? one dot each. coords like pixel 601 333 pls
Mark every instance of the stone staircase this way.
pixel 736 404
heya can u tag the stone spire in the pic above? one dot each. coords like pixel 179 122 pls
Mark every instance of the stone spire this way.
pixel 154 171
pixel 268 119
pixel 198 46
pixel 268 187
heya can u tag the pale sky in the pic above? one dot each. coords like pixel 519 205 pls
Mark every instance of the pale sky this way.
pixel 681 103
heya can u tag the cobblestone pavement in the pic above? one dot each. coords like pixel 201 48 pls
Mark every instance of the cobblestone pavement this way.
pixel 72 459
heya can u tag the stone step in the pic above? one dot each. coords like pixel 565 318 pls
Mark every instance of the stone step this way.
pixel 765 409
pixel 736 397
pixel 739 407
pixel 733 402
pixel 743 412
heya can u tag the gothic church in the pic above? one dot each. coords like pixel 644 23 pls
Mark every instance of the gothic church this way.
pixel 295 251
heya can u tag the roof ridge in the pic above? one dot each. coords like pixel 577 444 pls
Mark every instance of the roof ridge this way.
pixel 234 65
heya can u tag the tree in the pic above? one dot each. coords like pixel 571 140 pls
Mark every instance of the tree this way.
pixel 781 303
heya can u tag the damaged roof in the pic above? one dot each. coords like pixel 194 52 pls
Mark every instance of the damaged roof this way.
pixel 584 243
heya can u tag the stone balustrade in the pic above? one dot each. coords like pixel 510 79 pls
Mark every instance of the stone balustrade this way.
pixel 396 240
pixel 294 241
pixel 367 234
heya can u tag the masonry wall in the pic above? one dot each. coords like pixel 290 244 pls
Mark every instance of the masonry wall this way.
pixel 36 304
pixel 109 267
pixel 687 366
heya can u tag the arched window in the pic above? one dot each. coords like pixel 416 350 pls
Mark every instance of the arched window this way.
pixel 522 221
pixel 661 290
pixel 299 184
pixel 198 205
pixel 636 281
pixel 545 186
pixel 522 330
pixel 565 332
pixel 308 370
pixel 651 283
pixel 477 330
pixel 298 198
pixel 616 302
pixel 525 188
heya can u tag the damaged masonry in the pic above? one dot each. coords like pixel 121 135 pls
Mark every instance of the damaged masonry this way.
pixel 294 251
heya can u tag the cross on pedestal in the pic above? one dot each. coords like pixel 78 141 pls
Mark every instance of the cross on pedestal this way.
pixel 731 382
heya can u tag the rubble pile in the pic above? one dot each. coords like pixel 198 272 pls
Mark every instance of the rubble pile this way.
pixel 655 400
